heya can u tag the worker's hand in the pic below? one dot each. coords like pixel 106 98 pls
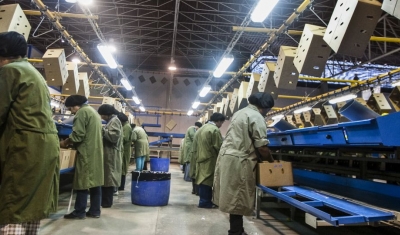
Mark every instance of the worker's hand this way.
pixel 63 144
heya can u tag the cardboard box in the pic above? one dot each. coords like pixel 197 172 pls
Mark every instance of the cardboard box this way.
pixel 64 158
pixel 72 158
pixel 275 174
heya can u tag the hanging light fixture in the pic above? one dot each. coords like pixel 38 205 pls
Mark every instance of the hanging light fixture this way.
pixel 126 84
pixel 262 10
pixel 195 104
pixel 190 112
pixel 223 66
pixel 205 91
pixel 107 55
pixel 142 108
pixel 136 99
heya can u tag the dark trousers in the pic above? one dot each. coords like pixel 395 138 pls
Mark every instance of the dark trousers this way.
pixel 205 193
pixel 81 201
pixel 236 224
pixel 145 165
pixel 183 167
pixel 123 179
pixel 107 196
pixel 195 187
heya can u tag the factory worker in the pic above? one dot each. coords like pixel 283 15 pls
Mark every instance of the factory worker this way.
pixel 208 144
pixel 112 145
pixel 234 178
pixel 141 143
pixel 188 143
pixel 29 147
pixel 87 138
pixel 181 153
pixel 127 151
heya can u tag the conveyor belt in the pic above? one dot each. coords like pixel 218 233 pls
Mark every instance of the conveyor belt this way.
pixel 356 213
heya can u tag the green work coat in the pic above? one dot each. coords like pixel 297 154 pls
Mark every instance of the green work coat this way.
pixel 188 143
pixel 141 142
pixel 181 150
pixel 126 156
pixel 88 141
pixel 234 178
pixel 29 146
pixel 209 141
pixel 112 142
pixel 193 157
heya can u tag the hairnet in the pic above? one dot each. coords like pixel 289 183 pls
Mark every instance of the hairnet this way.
pixel 122 117
pixel 75 100
pixel 107 109
pixel 12 44
pixel 262 100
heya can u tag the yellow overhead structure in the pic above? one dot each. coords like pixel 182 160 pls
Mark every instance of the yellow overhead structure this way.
pixel 62 14
pixel 80 63
pixel 297 32
pixel 335 93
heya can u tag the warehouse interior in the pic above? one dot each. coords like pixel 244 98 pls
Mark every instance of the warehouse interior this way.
pixel 167 52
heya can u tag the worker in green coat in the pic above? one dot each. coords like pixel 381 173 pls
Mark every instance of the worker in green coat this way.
pixel 112 146
pixel 127 151
pixel 141 143
pixel 29 145
pixel 208 141
pixel 181 154
pixel 87 138
pixel 234 177
pixel 192 165
pixel 188 143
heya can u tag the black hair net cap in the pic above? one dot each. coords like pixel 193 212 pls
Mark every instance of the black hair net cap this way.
pixel 262 100
pixel 107 109
pixel 12 44
pixel 75 100
pixel 122 117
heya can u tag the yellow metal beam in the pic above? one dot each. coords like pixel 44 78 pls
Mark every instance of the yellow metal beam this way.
pixel 297 32
pixel 61 14
pixel 80 63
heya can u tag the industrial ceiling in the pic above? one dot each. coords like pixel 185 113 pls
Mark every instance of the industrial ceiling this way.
pixel 148 33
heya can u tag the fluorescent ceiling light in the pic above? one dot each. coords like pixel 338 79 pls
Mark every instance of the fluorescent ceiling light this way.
pixel 280 116
pixel 142 108
pixel 204 91
pixel 190 112
pixel 396 84
pixel 196 104
pixel 172 67
pixel 71 1
pixel 223 66
pixel 108 57
pixel 85 2
pixel 76 60
pixel 300 110
pixel 262 10
pixel 112 48
pixel 136 99
pixel 342 98
pixel 126 84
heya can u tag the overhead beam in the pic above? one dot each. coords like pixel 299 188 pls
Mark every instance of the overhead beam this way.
pixel 297 32
pixel 61 14
pixel 80 63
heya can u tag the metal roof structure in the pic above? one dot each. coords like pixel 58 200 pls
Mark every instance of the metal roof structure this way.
pixel 147 33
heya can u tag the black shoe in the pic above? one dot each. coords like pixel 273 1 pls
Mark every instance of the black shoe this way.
pixel 208 207
pixel 72 216
pixel 88 214
pixel 106 206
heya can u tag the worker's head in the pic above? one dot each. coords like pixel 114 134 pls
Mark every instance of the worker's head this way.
pixel 75 102
pixel 263 101
pixel 197 125
pixel 218 119
pixel 13 46
pixel 122 117
pixel 133 126
pixel 107 111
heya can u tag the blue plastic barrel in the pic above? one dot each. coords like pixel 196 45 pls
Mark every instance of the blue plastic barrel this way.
pixel 159 164
pixel 150 188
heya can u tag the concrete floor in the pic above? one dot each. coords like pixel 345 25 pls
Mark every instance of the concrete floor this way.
pixel 180 217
